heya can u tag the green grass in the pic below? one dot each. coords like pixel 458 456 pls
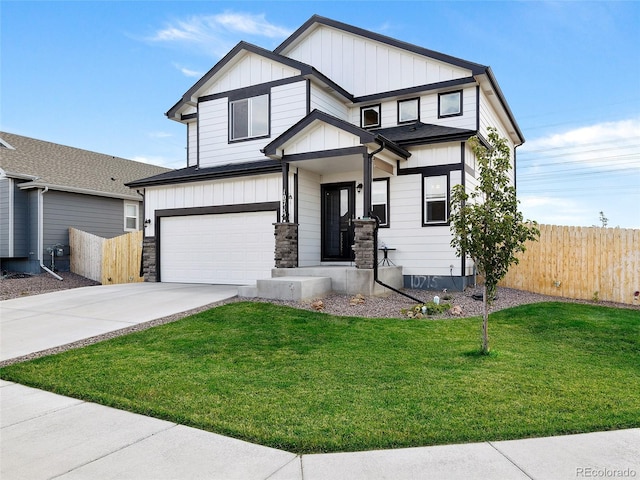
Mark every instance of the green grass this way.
pixel 310 382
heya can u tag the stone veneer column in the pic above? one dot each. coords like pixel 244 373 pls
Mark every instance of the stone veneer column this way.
pixel 149 259
pixel 363 243
pixel 286 254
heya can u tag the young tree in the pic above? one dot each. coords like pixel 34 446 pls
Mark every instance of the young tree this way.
pixel 486 223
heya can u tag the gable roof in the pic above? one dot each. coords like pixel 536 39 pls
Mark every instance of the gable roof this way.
pixel 365 136
pixel 58 167
pixel 316 20
pixel 306 71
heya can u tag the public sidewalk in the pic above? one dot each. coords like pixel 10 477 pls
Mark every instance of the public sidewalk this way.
pixel 47 436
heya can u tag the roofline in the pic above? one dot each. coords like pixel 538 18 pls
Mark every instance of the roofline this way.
pixel 459 62
pixel 246 46
pixel 83 191
pixel 261 167
pixel 503 102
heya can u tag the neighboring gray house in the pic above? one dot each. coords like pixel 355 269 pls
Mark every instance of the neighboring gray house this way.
pixel 46 188
pixel 335 126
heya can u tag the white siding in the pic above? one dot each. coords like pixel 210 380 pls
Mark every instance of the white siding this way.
pixel 432 155
pixel 321 137
pixel 429 110
pixel 308 218
pixel 192 143
pixel 363 66
pixel 288 106
pixel 250 69
pixel 489 118
pixel 254 189
pixel 327 103
pixel 420 250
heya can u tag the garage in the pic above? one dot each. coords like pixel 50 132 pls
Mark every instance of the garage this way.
pixel 225 248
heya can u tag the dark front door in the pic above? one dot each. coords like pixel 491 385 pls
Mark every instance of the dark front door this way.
pixel 338 212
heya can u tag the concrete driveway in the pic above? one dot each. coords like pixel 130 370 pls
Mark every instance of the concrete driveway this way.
pixel 40 322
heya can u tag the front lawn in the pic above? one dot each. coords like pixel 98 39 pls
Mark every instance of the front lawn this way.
pixel 310 382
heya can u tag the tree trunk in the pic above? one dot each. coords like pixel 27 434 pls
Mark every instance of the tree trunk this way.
pixel 485 320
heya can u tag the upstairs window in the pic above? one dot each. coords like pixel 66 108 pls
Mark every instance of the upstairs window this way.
pixel 380 200
pixel 370 116
pixel 408 110
pixel 249 118
pixel 450 104
pixel 435 200
pixel 130 217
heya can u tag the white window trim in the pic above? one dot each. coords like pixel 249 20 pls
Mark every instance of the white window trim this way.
pixel 137 207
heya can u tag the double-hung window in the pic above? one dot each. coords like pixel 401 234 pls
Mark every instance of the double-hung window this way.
pixel 249 118
pixel 436 200
pixel 380 200
pixel 130 217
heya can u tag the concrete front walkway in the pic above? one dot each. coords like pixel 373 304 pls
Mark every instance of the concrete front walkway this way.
pixel 47 436
pixel 39 322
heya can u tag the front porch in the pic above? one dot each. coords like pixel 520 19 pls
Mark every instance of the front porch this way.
pixel 305 283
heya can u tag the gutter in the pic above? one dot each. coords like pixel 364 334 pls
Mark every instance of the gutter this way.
pixel 368 176
pixel 41 232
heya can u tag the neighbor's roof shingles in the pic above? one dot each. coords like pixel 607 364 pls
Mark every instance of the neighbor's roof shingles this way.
pixel 71 169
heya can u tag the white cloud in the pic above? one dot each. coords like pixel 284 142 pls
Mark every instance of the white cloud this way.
pixel 216 34
pixel 610 145
pixel 187 72
pixel 555 210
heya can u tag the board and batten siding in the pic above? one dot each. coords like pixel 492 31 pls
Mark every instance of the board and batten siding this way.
pixel 250 69
pixel 253 189
pixel 434 155
pixel 364 66
pixel 288 106
pixel 321 137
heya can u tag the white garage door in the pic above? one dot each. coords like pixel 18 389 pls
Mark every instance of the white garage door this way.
pixel 229 248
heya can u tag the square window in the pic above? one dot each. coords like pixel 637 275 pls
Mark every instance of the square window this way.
pixel 370 116
pixel 435 198
pixel 380 200
pixel 249 118
pixel 450 104
pixel 408 110
pixel 130 216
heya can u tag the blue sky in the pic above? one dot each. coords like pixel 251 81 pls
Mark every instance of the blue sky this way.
pixel 101 75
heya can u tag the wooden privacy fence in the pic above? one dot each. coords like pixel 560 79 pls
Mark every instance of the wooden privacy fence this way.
pixel 580 262
pixel 106 260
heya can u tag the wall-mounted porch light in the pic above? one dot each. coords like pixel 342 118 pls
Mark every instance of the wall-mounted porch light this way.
pixel 359 188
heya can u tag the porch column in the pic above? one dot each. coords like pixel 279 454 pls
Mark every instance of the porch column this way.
pixel 285 192
pixel 367 180
pixel 364 243
pixel 286 254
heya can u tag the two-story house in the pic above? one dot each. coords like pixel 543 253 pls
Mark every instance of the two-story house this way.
pixel 335 126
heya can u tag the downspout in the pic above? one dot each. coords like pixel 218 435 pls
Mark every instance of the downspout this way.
pixel 375 230
pixel 41 232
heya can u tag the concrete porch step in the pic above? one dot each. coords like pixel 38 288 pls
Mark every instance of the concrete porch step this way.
pixel 293 287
